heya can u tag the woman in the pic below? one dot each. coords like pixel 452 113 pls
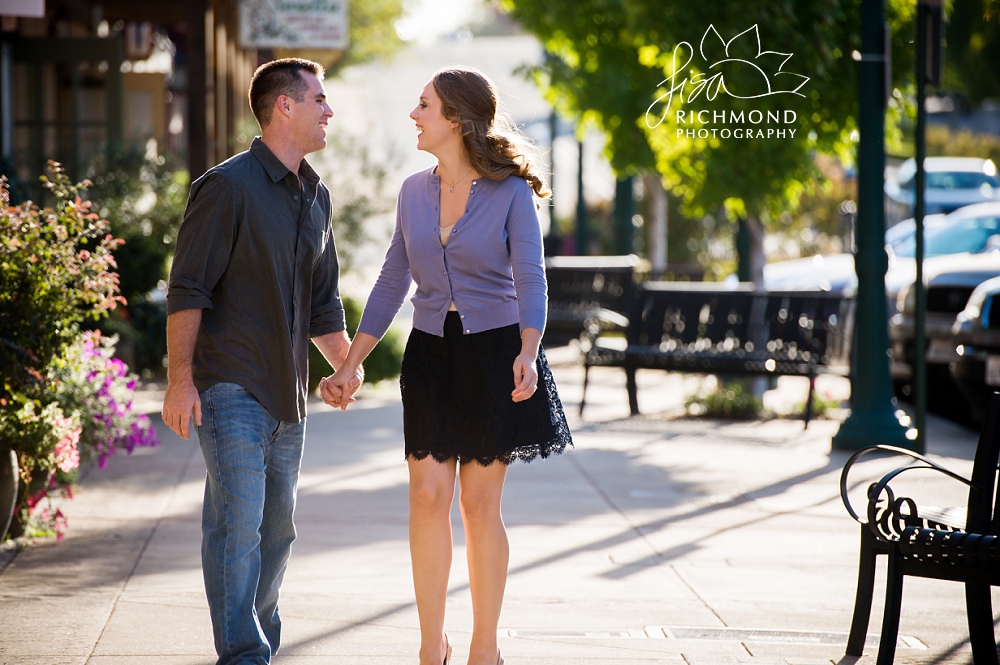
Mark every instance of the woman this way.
pixel 477 390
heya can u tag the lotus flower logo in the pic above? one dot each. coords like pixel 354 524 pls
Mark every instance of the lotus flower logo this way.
pixel 725 73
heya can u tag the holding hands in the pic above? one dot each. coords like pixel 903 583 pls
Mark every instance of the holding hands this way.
pixel 337 390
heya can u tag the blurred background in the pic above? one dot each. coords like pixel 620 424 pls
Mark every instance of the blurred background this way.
pixel 141 96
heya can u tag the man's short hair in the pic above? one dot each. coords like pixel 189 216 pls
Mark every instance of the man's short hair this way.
pixel 276 78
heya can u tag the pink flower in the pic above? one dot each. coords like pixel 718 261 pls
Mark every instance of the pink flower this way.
pixel 67 453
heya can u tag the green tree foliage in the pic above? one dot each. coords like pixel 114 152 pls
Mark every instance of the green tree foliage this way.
pixel 371 35
pixel 372 31
pixel 972 35
pixel 610 58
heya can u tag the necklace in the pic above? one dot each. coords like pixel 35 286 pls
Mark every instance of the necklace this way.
pixel 451 188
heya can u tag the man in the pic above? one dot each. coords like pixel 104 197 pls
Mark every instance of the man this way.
pixel 255 275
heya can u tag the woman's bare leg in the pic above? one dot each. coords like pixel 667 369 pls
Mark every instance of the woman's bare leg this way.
pixel 432 489
pixel 481 489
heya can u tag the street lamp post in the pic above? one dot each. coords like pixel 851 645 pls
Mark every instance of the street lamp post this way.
pixel 872 420
pixel 928 71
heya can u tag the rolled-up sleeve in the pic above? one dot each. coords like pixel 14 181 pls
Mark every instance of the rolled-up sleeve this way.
pixel 327 314
pixel 524 235
pixel 204 244
pixel 392 285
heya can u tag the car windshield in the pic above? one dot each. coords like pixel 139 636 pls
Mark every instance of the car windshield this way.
pixel 968 235
pixel 956 180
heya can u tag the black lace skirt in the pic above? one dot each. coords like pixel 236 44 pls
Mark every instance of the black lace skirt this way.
pixel 456 399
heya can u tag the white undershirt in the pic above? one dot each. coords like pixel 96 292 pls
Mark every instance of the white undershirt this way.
pixel 445 232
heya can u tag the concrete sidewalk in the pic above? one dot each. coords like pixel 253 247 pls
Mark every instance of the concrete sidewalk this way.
pixel 657 539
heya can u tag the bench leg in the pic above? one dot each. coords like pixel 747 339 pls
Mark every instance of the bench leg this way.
pixel 979 606
pixel 633 391
pixel 583 395
pixel 890 618
pixel 809 399
pixel 870 548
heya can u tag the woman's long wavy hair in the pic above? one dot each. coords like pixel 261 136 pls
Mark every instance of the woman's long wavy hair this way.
pixel 496 147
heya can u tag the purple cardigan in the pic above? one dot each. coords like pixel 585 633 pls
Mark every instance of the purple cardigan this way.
pixel 491 268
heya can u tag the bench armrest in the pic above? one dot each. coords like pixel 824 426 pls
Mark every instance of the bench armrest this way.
pixel 887 520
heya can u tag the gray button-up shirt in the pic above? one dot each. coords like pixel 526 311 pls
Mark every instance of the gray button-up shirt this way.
pixel 256 253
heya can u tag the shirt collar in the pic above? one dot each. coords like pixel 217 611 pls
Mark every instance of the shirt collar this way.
pixel 275 168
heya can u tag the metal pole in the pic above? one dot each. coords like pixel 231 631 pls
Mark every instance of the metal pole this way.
pixel 624 211
pixel 581 205
pixel 920 311
pixel 872 420
pixel 553 128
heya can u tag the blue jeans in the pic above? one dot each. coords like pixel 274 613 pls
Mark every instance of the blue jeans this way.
pixel 253 463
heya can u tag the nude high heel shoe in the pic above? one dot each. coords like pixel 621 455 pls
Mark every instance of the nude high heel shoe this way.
pixel 499 658
pixel 447 651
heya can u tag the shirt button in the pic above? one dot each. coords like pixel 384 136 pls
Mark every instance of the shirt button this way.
pixel 296 197
pixel 468 331
pixel 462 315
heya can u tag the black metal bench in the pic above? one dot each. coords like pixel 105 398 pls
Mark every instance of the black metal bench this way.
pixel 587 288
pixel 712 329
pixel 944 544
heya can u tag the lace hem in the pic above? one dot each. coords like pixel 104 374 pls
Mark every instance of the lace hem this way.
pixel 522 453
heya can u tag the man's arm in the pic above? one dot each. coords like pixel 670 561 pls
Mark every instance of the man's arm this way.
pixel 181 400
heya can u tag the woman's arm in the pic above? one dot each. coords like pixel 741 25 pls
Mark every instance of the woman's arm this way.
pixel 524 236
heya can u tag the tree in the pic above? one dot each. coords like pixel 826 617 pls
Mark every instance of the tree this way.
pixel 614 62
pixel 972 36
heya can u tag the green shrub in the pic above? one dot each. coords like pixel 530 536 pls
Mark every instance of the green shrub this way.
pixel 383 362
pixel 821 407
pixel 143 197
pixel 731 399
pixel 56 269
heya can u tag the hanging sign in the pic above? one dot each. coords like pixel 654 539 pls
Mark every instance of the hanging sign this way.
pixel 293 24
pixel 31 8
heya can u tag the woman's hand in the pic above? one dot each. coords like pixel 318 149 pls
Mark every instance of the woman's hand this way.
pixel 525 377
pixel 525 369
pixel 338 389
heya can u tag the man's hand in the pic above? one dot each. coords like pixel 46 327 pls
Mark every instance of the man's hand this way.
pixel 180 402
pixel 182 398
pixel 338 389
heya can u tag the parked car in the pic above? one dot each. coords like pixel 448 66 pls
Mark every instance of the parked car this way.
pixel 976 338
pixel 951 183
pixel 951 280
pixel 969 230
pixel 899 233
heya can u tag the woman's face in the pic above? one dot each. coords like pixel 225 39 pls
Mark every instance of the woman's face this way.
pixel 435 130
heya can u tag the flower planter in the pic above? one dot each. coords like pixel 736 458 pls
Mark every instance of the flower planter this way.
pixel 8 488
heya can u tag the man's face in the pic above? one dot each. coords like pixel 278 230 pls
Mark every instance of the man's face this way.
pixel 308 118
